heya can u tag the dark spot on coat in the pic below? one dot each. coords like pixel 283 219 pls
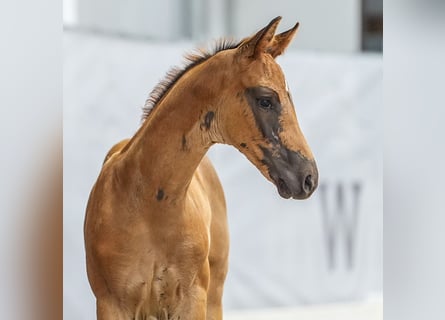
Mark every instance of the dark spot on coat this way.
pixel 243 145
pixel 208 120
pixel 184 143
pixel 240 96
pixel 160 195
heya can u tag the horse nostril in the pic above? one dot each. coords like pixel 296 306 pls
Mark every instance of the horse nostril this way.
pixel 308 184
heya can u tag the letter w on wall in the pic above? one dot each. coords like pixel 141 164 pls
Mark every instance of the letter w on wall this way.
pixel 340 221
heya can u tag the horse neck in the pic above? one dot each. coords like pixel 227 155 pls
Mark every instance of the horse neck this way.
pixel 174 138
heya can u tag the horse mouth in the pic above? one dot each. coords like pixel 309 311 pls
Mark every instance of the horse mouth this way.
pixel 283 188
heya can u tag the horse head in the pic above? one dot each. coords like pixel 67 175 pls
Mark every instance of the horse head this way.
pixel 257 115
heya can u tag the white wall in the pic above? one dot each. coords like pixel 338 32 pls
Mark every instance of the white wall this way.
pixel 70 12
pixel 324 25
pixel 140 18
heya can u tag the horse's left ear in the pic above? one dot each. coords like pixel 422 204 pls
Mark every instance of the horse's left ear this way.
pixel 257 44
pixel 280 41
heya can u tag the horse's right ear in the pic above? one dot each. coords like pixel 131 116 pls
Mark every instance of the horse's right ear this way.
pixel 252 47
pixel 281 41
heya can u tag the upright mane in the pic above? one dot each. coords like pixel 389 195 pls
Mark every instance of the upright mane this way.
pixel 192 59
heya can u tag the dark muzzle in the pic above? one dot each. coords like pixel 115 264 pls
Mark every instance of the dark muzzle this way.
pixel 294 175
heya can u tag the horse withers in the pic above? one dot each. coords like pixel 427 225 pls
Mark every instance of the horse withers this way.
pixel 156 234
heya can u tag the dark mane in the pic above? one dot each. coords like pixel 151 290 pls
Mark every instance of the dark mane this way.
pixel 191 59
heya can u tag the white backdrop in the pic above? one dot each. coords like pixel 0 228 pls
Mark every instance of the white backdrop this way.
pixel 283 252
pixel 327 25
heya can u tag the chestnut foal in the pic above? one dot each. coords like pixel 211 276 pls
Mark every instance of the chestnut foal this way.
pixel 156 234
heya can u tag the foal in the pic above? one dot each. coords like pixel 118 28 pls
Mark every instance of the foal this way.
pixel 156 233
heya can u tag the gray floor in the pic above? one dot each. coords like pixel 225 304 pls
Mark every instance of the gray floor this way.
pixel 279 250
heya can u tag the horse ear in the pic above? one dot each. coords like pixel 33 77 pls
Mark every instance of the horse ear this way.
pixel 258 43
pixel 281 41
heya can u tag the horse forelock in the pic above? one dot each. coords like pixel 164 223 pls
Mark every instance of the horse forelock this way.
pixel 193 58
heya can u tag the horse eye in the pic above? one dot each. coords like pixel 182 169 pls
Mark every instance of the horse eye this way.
pixel 264 103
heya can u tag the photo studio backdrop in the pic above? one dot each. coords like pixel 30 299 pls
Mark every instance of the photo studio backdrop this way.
pixel 283 252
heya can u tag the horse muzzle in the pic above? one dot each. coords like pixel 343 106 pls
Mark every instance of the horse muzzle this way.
pixel 294 175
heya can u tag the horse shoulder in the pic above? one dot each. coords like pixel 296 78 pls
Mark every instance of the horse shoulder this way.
pixel 213 187
pixel 219 235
